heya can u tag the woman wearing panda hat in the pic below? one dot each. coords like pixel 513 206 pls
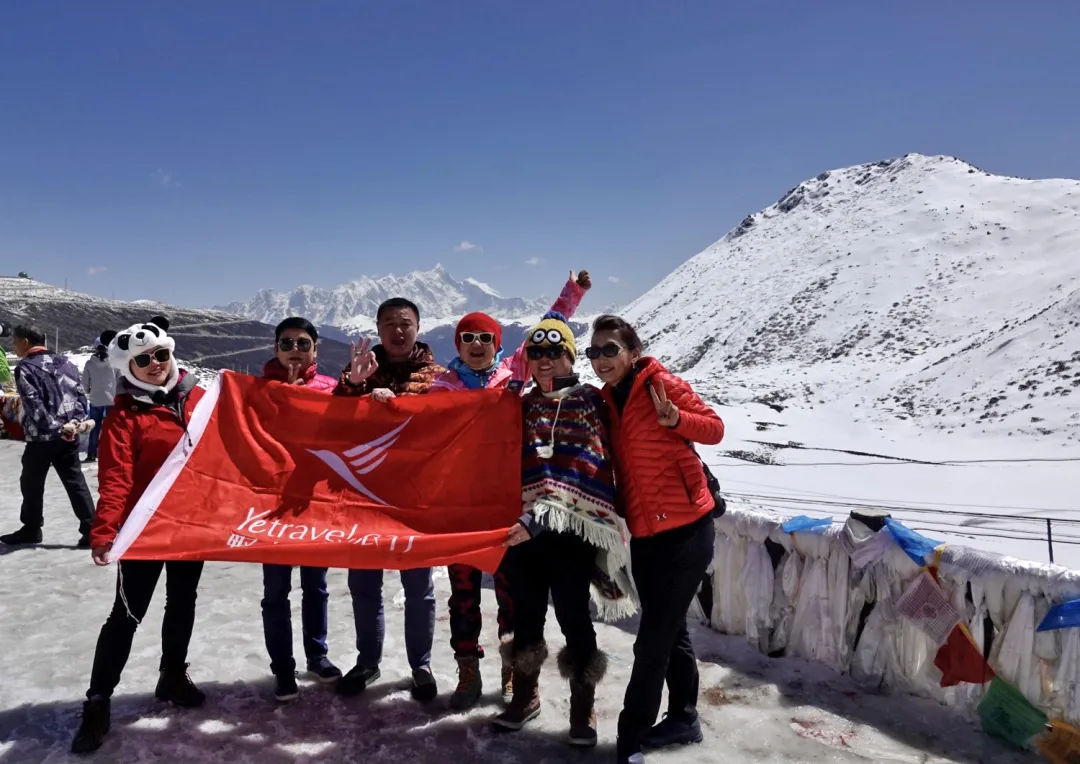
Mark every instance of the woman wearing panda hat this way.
pixel 153 404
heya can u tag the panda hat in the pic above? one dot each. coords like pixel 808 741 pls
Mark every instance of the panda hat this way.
pixel 139 339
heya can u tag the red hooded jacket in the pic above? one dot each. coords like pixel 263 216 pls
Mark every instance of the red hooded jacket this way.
pixel 137 437
pixel 660 480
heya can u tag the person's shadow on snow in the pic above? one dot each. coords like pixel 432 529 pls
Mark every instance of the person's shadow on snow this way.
pixel 5 549
pixel 241 722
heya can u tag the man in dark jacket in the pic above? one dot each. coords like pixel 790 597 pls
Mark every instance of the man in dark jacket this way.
pixel 399 365
pixel 54 413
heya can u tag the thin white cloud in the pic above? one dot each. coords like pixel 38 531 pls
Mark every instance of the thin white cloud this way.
pixel 165 179
pixel 95 270
pixel 613 279
pixel 534 261
pixel 467 246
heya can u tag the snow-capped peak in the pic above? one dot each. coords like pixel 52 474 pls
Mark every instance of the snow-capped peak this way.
pixel 352 306
pixel 482 287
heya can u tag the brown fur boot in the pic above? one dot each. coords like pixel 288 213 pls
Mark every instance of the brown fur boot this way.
pixel 583 681
pixel 525 705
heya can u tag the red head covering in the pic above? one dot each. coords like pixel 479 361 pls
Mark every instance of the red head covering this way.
pixel 478 322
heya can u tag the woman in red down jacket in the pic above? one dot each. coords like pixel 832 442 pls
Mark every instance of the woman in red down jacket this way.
pixel 656 418
pixel 153 406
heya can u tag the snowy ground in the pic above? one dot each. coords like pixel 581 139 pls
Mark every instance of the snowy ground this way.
pixel 54 601
pixel 997 505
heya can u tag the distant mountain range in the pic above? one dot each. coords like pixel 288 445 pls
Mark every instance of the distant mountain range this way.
pixel 348 310
pixel 351 307
pixel 209 338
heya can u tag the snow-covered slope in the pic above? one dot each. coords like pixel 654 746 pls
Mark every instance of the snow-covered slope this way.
pixel 351 307
pixel 917 288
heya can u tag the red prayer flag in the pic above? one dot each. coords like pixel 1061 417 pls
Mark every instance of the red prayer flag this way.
pixel 277 473
pixel 960 660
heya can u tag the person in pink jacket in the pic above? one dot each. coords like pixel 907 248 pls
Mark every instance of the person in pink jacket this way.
pixel 480 365
pixel 296 347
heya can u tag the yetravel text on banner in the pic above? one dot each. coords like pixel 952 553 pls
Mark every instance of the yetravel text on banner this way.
pixel 279 474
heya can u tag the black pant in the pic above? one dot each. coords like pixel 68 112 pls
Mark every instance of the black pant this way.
pixel 139 579
pixel 560 564
pixel 668 569
pixel 62 456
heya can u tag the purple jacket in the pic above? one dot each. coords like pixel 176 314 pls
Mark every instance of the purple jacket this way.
pixel 51 394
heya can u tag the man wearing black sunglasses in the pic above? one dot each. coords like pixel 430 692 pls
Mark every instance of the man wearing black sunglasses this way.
pixel 296 345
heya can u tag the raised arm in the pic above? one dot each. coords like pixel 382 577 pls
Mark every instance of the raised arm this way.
pixel 567 303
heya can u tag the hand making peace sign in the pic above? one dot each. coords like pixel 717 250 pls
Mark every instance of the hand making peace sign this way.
pixel 667 413
pixel 363 363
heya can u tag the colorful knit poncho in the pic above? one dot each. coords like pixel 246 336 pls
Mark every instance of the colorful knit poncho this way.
pixel 572 490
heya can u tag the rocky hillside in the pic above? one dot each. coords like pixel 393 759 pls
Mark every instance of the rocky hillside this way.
pixel 918 288
pixel 208 338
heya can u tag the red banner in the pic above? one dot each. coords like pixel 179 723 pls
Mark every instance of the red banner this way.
pixel 277 473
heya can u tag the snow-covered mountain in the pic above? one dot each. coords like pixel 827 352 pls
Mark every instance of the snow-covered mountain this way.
pixel 351 307
pixel 917 288
pixel 205 338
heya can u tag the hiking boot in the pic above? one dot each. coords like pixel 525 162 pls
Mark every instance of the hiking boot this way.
pixel 424 688
pixel 470 685
pixel 525 705
pixel 94 726
pixel 324 671
pixel 674 729
pixel 83 542
pixel 175 686
pixel 285 687
pixel 24 536
pixel 583 681
pixel 507 675
pixel 90 459
pixel 357 680
pixel 507 683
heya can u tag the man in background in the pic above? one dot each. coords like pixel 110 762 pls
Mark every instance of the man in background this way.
pixel 6 381
pixel 99 381
pixel 54 413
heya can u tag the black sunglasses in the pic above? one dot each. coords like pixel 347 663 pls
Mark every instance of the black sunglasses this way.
pixel 554 352
pixel 609 350
pixel 161 355
pixel 486 338
pixel 286 344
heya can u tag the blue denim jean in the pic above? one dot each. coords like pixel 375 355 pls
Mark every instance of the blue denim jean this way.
pixel 98 414
pixel 367 600
pixel 277 615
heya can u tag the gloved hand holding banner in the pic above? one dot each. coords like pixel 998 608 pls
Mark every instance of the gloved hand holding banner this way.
pixel 276 473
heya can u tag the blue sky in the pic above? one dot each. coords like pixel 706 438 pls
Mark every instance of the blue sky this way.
pixel 194 152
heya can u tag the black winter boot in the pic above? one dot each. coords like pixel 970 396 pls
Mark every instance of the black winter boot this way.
pixel 94 726
pixel 24 536
pixel 175 686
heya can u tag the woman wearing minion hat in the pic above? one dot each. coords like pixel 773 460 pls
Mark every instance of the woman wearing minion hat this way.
pixel 480 365
pixel 569 543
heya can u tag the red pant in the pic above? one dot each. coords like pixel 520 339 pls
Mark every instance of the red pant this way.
pixel 466 583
